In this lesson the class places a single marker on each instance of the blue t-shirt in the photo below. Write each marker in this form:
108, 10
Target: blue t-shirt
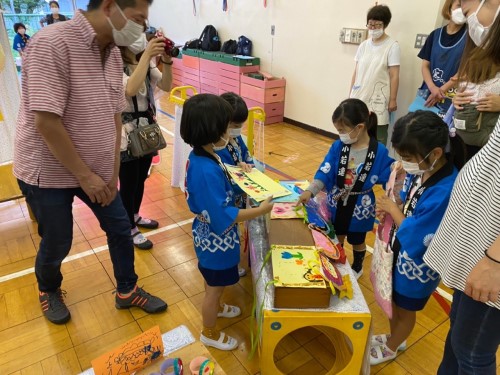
242, 152
363, 217
210, 196
19, 42
412, 277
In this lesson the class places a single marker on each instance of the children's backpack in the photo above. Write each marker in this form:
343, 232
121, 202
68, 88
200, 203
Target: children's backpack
209, 39
244, 46
230, 46
192, 44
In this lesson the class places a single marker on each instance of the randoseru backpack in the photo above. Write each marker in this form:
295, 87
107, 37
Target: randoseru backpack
209, 39
244, 46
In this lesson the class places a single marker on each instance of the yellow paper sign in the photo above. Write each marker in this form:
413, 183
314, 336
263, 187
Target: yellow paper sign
293, 267
132, 356
256, 184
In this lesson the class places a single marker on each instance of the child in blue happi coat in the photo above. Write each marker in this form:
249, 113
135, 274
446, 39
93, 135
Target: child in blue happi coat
236, 151
353, 166
210, 196
421, 139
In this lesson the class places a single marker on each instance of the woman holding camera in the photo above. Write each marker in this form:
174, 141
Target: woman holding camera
140, 77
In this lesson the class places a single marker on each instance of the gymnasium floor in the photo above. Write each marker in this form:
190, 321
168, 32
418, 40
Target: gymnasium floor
31, 345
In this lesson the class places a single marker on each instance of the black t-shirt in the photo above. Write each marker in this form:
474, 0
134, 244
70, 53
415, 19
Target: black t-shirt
447, 40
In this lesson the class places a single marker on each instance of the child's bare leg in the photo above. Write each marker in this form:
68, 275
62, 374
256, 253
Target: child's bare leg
210, 308
402, 324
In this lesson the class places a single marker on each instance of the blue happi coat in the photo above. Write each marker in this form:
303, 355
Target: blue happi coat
242, 151
210, 196
363, 217
412, 277
243, 156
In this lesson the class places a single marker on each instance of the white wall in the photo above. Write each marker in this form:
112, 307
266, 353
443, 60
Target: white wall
306, 48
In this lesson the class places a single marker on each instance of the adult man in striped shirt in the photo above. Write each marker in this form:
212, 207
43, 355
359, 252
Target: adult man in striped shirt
68, 143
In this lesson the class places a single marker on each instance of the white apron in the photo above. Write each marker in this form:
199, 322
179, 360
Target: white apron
372, 84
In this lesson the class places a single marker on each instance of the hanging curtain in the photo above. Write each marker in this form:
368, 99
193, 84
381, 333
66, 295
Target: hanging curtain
9, 99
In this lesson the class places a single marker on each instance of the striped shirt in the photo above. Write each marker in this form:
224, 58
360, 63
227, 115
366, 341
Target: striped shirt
64, 74
472, 221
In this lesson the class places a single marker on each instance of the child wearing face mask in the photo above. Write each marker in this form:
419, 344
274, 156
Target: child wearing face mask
210, 196
21, 38
54, 16
421, 139
350, 170
236, 151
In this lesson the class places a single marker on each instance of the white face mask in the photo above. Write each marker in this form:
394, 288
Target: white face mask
414, 168
54, 11
477, 31
139, 45
235, 133
346, 138
219, 148
128, 34
375, 33
457, 16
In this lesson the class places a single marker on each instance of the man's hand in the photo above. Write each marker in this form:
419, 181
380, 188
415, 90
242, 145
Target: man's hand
113, 188
96, 189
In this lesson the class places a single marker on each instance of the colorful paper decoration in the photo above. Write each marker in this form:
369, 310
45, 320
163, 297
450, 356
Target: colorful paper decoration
294, 187
331, 274
292, 267
286, 211
330, 246
256, 184
132, 356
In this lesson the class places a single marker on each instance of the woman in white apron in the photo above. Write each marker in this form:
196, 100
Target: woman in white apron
376, 76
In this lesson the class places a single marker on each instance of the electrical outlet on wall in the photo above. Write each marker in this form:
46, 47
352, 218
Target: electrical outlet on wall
420, 40
273, 30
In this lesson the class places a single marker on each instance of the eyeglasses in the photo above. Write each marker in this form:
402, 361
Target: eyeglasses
375, 25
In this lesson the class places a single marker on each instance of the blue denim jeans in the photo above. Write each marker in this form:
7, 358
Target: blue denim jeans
473, 339
53, 209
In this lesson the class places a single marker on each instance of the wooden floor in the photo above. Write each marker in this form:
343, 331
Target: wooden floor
31, 345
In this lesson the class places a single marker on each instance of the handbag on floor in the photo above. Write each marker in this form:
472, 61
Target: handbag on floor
383, 256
